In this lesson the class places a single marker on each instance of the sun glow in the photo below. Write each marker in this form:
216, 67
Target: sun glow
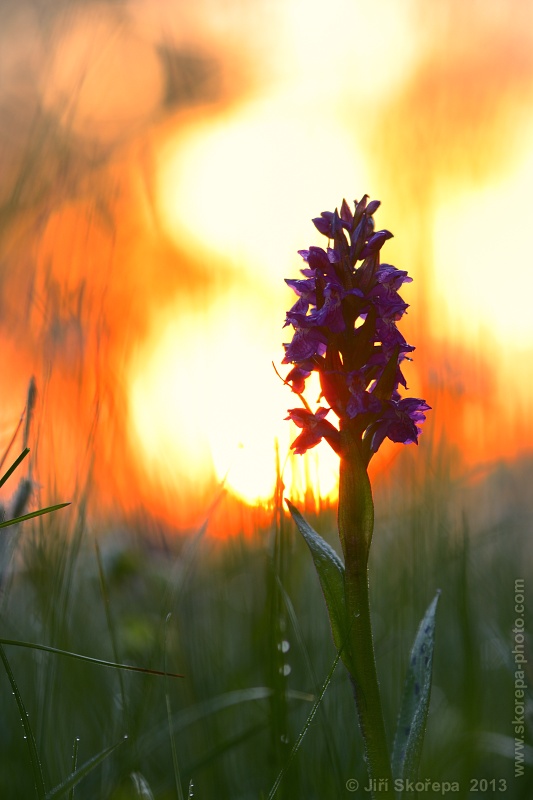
480, 236
102, 78
240, 192
161, 170
205, 401
243, 186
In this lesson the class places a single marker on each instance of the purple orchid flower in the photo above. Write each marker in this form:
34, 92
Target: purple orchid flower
375, 243
328, 223
297, 376
314, 428
306, 343
362, 401
400, 422
345, 328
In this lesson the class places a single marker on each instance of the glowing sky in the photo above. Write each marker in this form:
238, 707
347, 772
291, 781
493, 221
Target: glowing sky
162, 163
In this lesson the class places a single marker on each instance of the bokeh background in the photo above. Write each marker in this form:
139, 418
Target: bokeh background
160, 164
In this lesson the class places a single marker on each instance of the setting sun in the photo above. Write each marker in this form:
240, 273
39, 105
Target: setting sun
216, 404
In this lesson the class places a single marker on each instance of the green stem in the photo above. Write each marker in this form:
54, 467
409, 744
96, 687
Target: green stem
356, 523
366, 690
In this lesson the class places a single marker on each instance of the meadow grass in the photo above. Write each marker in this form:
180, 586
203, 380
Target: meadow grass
244, 622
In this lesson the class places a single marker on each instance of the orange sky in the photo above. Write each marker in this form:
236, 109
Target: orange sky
161, 166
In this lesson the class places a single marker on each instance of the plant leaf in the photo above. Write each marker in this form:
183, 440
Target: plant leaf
75, 777
74, 764
33, 514
330, 571
28, 733
307, 724
142, 789
415, 700
14, 465
90, 659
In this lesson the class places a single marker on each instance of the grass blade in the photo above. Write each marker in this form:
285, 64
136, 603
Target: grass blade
28, 733
142, 789
11, 443
109, 619
308, 722
328, 732
13, 466
32, 514
74, 764
175, 765
75, 777
156, 737
90, 659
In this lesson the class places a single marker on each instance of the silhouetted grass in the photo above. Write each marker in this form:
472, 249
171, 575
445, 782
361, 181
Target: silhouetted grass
248, 630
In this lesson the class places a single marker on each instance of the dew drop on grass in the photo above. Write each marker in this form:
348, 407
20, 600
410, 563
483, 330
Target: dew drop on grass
284, 646
285, 670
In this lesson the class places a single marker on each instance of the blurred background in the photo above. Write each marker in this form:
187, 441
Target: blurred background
161, 163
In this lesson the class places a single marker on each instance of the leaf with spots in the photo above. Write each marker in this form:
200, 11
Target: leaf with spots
415, 700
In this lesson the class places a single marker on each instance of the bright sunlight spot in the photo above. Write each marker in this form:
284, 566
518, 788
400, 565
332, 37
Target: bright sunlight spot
481, 251
246, 186
216, 403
